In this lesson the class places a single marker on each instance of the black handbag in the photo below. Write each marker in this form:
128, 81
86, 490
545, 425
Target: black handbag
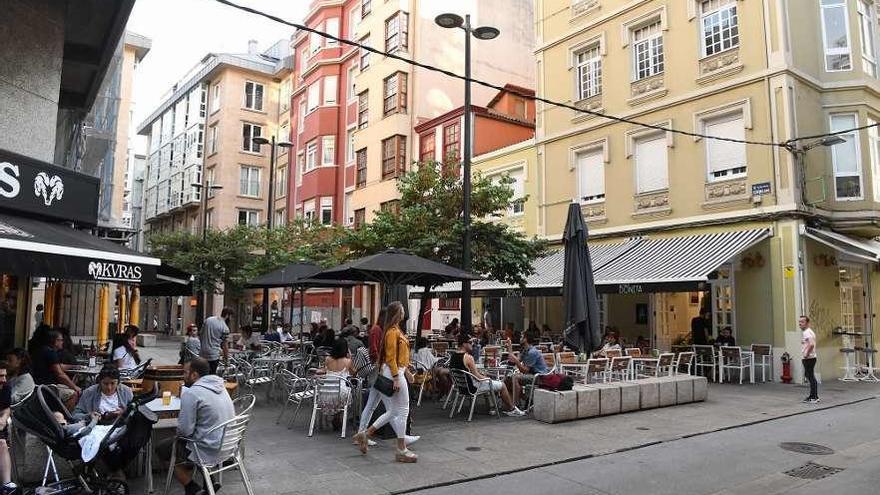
384, 385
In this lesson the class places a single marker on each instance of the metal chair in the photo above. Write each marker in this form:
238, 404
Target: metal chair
230, 455
136, 372
732, 358
596, 368
244, 404
297, 391
440, 348
613, 353
333, 396
466, 386
663, 366
549, 360
684, 360
251, 376
704, 358
619, 369
763, 356
633, 352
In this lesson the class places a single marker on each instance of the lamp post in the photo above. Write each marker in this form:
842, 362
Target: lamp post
270, 207
205, 188
799, 151
454, 21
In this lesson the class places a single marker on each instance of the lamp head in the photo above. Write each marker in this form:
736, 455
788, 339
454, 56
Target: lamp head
449, 21
260, 140
832, 140
486, 33
284, 144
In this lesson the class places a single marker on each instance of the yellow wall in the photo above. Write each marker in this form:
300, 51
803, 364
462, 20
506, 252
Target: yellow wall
754, 296
523, 155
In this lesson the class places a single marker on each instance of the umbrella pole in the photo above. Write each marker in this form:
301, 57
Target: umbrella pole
302, 347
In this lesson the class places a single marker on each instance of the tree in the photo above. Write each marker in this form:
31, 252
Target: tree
429, 223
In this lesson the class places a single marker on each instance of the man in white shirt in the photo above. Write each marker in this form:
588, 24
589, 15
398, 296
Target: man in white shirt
808, 358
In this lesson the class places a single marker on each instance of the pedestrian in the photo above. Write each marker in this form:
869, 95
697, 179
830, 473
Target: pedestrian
38, 315
808, 358
213, 336
700, 328
394, 358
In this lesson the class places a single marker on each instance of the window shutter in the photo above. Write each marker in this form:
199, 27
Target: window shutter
591, 174
330, 88
651, 169
725, 155
518, 185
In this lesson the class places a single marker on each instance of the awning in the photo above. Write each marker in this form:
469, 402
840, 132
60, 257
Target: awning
864, 249
31, 247
169, 282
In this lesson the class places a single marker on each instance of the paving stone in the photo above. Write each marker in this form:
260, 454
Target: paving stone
649, 393
629, 396
587, 401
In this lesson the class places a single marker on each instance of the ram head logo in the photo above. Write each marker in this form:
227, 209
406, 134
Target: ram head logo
48, 188
94, 269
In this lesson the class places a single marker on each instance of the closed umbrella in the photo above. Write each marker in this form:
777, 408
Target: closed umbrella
578, 289
122, 318
134, 307
49, 304
103, 310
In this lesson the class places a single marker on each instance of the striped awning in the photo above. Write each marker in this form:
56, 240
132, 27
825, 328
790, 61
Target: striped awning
864, 249
679, 259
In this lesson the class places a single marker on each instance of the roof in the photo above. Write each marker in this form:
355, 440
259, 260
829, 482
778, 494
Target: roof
139, 42
482, 111
511, 88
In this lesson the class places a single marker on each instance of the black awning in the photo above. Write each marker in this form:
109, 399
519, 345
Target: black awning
169, 282
33, 248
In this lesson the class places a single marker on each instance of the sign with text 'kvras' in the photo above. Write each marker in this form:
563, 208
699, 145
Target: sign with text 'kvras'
45, 190
109, 271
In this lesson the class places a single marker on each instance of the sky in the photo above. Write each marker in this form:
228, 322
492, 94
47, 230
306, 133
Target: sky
184, 31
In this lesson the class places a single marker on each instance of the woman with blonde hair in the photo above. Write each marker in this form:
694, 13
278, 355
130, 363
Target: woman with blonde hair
393, 362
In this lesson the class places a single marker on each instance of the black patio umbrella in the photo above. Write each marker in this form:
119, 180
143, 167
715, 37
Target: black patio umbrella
578, 288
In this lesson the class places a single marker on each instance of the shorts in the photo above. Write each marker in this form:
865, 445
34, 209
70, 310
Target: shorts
495, 385
63, 391
163, 451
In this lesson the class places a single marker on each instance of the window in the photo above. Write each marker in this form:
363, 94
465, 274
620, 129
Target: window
279, 217
302, 115
725, 159
284, 95
350, 80
590, 176
215, 98
309, 211
300, 166
311, 156
647, 51
304, 61
363, 109
395, 94
720, 26
393, 156
213, 139
354, 19
366, 8
315, 42
392, 207
518, 200
588, 71
330, 84
360, 218
349, 146
874, 149
209, 180
651, 171
326, 210
248, 133
427, 147
281, 182
451, 137
846, 160
332, 28
328, 151
365, 55
250, 181
835, 35
866, 30
396, 34
313, 97
284, 135
253, 96
347, 217
250, 218
361, 177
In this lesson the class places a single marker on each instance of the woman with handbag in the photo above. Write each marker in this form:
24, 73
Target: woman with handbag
392, 385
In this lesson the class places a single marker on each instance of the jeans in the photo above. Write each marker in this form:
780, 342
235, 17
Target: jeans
372, 403
810, 374
396, 406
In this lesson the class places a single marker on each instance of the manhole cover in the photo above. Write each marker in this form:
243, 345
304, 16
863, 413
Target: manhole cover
806, 448
813, 471
643, 428
473, 449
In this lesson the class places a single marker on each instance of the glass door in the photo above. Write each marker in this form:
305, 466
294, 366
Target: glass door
723, 302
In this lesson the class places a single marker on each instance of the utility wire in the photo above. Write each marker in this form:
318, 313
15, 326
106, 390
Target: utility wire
788, 145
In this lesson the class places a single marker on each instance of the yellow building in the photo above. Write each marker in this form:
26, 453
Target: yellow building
683, 223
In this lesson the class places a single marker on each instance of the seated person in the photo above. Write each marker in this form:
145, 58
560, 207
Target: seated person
204, 405
530, 362
423, 357
286, 335
191, 345
725, 339
7, 486
47, 369
248, 340
350, 337
125, 353
108, 398
612, 343
338, 364
463, 360
272, 335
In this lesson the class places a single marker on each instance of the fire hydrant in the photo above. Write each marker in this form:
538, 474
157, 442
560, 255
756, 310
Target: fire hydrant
786, 368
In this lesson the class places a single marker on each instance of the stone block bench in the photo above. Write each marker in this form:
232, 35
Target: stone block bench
604, 399
146, 340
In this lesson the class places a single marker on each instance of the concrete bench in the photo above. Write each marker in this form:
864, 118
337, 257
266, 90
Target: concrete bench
554, 407
146, 340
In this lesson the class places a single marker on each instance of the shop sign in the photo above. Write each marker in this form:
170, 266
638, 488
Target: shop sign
630, 289
111, 271
43, 189
760, 189
513, 293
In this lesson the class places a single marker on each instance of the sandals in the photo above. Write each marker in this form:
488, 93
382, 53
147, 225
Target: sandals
406, 456
360, 438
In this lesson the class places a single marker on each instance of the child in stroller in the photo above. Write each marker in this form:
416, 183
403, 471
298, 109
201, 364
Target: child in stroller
43, 415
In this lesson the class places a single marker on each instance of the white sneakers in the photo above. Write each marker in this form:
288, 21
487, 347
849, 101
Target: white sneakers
515, 412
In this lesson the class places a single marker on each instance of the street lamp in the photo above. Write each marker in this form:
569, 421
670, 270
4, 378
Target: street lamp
799, 151
273, 147
454, 21
203, 186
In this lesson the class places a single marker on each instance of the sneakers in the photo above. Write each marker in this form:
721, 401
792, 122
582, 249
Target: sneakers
411, 439
810, 400
9, 488
406, 456
515, 412
360, 438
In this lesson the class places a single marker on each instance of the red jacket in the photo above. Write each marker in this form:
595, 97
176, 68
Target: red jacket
375, 339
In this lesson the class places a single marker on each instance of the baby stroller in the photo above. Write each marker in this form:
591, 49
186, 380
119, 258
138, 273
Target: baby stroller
127, 435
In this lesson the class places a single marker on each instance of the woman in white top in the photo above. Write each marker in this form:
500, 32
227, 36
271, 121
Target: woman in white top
339, 364
125, 354
108, 397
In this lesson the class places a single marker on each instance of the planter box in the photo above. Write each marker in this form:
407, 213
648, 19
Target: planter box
587, 401
668, 395
553, 407
649, 393
609, 397
629, 396
684, 389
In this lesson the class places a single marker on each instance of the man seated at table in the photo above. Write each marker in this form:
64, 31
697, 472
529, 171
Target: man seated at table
530, 362
725, 339
204, 405
47, 369
463, 360
248, 340
612, 343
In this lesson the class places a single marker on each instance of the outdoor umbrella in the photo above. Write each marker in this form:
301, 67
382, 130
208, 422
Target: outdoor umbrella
578, 289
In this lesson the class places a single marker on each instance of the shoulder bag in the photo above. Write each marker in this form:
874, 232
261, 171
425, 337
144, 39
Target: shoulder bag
381, 382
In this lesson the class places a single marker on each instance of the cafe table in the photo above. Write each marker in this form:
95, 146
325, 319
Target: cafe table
86, 374
167, 420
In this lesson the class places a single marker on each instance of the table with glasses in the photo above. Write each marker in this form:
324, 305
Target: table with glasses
167, 420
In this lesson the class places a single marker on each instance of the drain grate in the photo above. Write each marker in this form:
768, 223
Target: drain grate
806, 448
473, 449
642, 428
813, 471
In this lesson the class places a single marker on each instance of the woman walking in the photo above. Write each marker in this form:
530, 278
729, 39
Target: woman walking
393, 361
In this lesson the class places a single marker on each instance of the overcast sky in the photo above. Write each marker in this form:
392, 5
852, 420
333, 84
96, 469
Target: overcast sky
184, 31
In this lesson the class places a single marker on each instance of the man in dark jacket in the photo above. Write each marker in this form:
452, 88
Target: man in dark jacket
700, 326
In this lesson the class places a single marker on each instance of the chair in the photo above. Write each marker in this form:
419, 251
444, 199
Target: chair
251, 376
732, 358
684, 360
440, 348
550, 360
230, 455
763, 356
567, 358
704, 358
422, 376
333, 396
596, 368
619, 368
613, 353
244, 404
663, 366
466, 386
297, 391
633, 352
136, 372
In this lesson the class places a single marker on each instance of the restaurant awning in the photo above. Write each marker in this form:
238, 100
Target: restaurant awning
864, 249
32, 247
169, 282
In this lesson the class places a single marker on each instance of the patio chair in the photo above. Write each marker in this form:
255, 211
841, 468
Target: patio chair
684, 363
763, 356
440, 348
422, 377
732, 358
663, 367
135, 373
596, 368
466, 385
567, 358
230, 456
550, 360
250, 376
633, 352
613, 353
332, 396
619, 369
297, 390
704, 359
